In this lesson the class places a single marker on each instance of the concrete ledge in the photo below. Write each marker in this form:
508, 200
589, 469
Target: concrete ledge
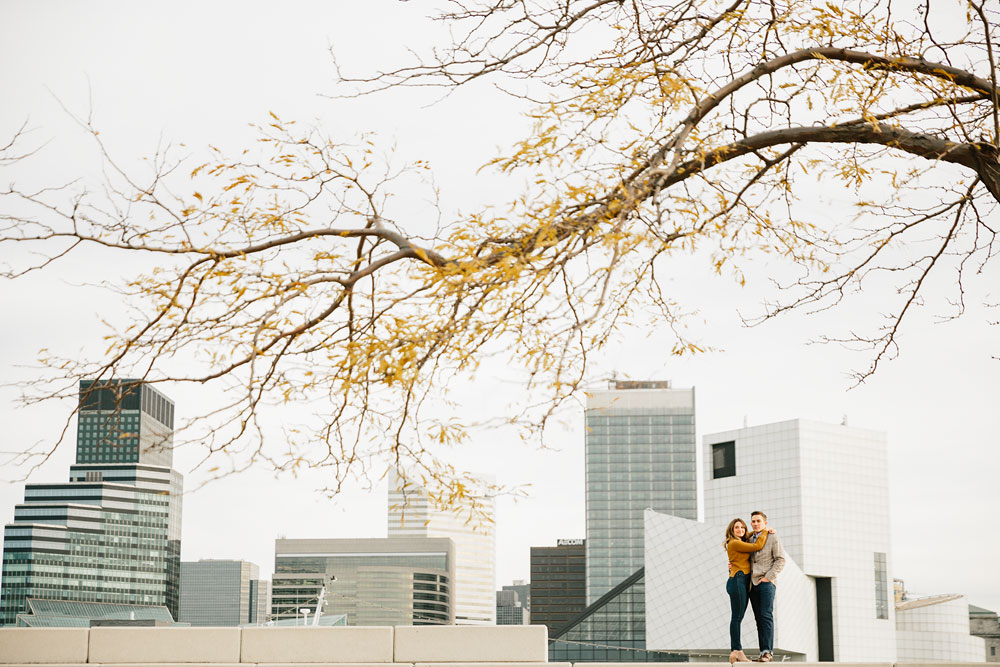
506, 664
326, 664
465, 644
168, 664
43, 645
125, 646
317, 645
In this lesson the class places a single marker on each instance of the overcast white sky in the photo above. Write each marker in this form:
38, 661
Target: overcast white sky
200, 72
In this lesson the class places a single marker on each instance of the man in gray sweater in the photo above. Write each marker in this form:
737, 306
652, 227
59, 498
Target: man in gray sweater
764, 568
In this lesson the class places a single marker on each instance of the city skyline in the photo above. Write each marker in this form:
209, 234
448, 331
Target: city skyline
936, 402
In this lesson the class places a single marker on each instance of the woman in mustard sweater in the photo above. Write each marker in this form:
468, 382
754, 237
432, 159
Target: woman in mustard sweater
738, 585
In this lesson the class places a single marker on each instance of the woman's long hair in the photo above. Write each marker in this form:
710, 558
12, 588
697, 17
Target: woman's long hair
730, 535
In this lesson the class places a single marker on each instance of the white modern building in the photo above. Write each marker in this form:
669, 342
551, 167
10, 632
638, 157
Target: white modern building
936, 629
412, 513
640, 452
824, 489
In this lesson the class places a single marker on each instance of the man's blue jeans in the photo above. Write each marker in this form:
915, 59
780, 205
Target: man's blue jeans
762, 601
738, 587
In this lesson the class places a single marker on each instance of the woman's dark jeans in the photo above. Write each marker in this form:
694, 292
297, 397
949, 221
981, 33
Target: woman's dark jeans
738, 587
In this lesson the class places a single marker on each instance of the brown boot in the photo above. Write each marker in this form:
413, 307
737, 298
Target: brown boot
738, 656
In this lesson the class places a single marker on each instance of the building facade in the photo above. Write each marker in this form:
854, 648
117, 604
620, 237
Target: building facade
819, 476
611, 630
985, 623
640, 452
222, 593
412, 513
377, 581
112, 533
558, 583
510, 611
936, 629
824, 488
124, 421
523, 590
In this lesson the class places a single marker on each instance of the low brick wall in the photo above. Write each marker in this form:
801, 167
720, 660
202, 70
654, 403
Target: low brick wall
402, 646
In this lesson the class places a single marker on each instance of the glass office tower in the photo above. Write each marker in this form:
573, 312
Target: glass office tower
222, 593
640, 452
112, 534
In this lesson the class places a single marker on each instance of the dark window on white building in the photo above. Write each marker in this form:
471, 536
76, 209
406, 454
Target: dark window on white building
724, 459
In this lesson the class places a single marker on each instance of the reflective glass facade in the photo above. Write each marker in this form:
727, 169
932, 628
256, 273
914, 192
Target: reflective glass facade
613, 629
394, 581
124, 421
220, 593
110, 535
640, 452
512, 614
73, 614
881, 587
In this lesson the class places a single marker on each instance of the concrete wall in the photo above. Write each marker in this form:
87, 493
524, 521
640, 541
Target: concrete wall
420, 646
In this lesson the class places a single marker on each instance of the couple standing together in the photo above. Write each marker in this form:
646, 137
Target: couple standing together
755, 559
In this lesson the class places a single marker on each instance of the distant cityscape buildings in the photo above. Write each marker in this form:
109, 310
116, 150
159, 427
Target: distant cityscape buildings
412, 513
510, 610
375, 581
223, 593
112, 533
645, 585
523, 590
558, 583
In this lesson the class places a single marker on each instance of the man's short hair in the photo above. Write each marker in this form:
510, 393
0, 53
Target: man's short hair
756, 512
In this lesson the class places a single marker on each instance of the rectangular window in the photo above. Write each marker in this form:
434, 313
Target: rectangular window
881, 587
724, 460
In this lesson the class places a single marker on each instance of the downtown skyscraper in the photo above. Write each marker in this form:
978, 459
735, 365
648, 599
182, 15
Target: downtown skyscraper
640, 452
412, 513
112, 533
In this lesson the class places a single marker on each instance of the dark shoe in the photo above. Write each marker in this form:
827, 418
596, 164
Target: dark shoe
765, 657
